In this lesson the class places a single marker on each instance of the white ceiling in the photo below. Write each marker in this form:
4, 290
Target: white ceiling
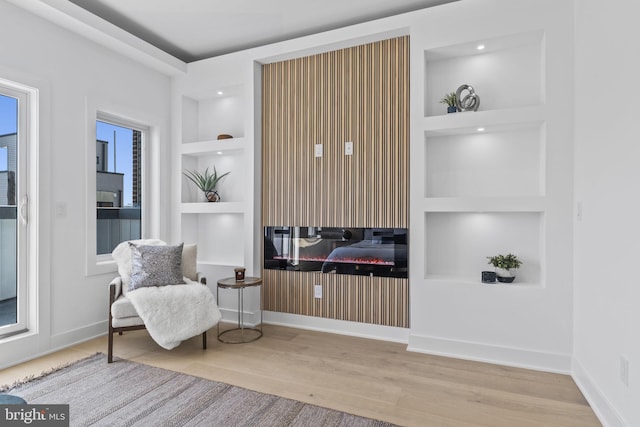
195, 29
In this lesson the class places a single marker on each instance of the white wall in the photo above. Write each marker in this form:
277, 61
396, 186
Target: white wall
607, 239
71, 74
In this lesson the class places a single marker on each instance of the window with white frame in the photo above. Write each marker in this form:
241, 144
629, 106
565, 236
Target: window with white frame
119, 163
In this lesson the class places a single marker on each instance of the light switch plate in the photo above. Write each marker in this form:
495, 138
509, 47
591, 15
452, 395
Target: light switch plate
318, 150
579, 211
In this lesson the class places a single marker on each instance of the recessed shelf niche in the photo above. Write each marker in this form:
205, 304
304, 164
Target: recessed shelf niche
507, 73
458, 244
209, 107
231, 188
207, 115
497, 162
220, 237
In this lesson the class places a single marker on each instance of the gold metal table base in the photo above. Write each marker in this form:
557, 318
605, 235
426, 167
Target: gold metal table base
223, 336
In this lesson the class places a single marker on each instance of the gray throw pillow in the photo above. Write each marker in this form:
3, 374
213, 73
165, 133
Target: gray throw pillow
155, 266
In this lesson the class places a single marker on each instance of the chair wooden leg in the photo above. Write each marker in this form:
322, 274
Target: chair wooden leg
112, 298
110, 350
204, 340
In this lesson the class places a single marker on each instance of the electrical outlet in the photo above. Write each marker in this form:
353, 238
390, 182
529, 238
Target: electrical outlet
348, 148
624, 370
317, 291
318, 150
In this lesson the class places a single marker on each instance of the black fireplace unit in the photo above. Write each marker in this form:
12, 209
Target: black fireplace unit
361, 251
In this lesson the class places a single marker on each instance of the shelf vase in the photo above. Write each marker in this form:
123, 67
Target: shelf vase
452, 109
212, 196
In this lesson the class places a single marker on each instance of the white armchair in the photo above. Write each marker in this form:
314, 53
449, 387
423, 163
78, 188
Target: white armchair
193, 308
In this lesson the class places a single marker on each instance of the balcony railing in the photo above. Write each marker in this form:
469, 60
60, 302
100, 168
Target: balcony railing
7, 252
116, 225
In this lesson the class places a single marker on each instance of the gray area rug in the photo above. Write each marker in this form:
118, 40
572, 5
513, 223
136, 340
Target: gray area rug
131, 394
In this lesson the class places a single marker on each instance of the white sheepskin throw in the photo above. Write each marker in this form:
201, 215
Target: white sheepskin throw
175, 313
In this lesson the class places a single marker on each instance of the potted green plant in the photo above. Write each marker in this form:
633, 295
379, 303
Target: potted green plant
450, 100
206, 182
504, 265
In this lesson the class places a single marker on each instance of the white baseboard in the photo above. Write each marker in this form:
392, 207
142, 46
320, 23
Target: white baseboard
508, 356
31, 346
603, 409
76, 336
340, 327
229, 315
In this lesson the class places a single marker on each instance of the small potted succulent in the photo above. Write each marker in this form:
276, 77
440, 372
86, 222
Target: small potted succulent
207, 182
504, 265
450, 100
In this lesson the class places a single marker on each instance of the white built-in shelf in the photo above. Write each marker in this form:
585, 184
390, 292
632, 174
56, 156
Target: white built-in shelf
212, 208
211, 112
211, 263
511, 42
484, 204
468, 122
469, 281
213, 104
485, 171
212, 146
214, 270
457, 244
501, 161
506, 74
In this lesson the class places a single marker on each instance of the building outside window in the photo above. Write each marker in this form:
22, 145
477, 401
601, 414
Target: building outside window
118, 184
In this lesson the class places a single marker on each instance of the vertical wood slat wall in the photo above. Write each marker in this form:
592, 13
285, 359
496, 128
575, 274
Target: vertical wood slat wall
376, 300
358, 94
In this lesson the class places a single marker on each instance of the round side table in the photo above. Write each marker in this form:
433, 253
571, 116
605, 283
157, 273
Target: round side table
247, 334
7, 399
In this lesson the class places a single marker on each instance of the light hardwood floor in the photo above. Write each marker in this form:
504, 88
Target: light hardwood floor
366, 377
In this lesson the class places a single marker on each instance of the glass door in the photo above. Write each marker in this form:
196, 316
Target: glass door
13, 212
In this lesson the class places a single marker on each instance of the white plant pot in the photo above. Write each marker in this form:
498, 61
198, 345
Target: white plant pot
503, 272
504, 275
